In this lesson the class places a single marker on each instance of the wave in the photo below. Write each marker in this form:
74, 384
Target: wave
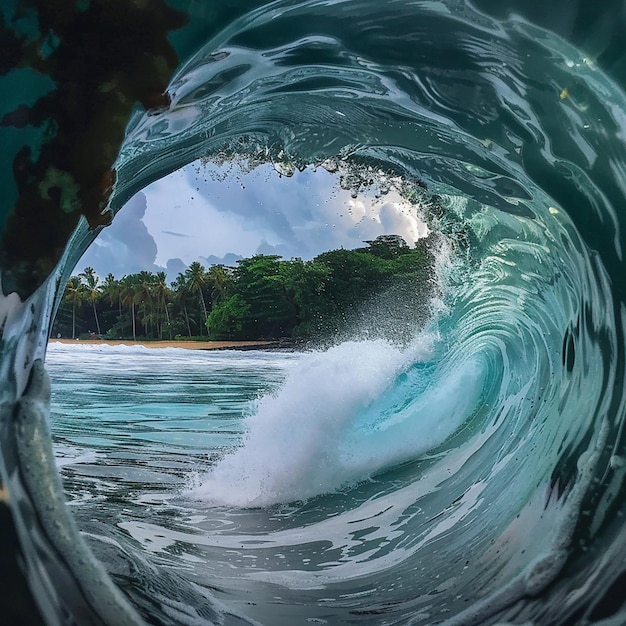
490, 451
299, 442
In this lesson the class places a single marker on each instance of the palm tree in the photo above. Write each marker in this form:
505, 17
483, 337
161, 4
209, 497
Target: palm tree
218, 277
129, 294
163, 294
146, 300
196, 280
181, 291
91, 281
74, 294
111, 289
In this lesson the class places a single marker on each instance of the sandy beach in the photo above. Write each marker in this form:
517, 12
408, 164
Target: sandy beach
188, 345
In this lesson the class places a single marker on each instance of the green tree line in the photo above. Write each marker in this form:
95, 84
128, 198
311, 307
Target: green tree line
263, 297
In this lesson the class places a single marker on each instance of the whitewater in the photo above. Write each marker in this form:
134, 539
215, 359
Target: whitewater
471, 471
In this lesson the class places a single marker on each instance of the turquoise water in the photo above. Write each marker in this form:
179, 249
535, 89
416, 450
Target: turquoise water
472, 473
275, 474
131, 428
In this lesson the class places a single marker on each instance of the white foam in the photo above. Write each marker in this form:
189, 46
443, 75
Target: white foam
312, 437
290, 451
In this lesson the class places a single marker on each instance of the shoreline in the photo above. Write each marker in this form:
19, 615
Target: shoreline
188, 345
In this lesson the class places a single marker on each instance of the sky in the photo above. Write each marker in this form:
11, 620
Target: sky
202, 213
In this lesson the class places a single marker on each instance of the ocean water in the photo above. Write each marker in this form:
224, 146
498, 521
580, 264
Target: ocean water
278, 474
131, 427
473, 473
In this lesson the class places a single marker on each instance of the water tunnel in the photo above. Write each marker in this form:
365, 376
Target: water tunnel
475, 477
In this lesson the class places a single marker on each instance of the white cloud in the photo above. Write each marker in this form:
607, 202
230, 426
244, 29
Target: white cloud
307, 213
193, 215
187, 225
124, 247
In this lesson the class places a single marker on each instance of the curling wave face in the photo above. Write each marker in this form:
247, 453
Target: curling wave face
496, 437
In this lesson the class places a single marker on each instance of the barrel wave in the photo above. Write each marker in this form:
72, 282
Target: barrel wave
471, 473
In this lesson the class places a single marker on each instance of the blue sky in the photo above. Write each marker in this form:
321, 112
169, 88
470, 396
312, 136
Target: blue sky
218, 215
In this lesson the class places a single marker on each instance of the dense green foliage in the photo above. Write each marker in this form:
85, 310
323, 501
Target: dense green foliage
264, 297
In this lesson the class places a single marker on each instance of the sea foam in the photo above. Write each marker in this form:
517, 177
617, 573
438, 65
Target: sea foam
327, 426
